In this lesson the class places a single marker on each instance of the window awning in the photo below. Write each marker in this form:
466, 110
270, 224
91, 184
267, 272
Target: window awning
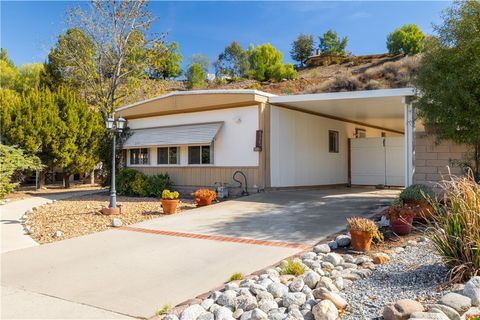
192, 134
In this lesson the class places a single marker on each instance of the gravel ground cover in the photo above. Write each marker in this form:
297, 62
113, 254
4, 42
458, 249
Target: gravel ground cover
79, 216
415, 273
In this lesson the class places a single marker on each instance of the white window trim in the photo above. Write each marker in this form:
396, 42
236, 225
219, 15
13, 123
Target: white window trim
212, 159
139, 164
168, 157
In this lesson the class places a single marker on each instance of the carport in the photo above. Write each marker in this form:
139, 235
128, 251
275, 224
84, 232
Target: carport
374, 132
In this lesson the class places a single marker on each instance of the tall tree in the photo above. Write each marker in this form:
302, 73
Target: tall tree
232, 62
302, 48
331, 44
202, 60
195, 76
449, 81
408, 39
165, 61
8, 71
105, 49
266, 64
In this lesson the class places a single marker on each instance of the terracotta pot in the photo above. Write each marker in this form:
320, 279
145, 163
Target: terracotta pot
402, 226
204, 201
361, 240
169, 206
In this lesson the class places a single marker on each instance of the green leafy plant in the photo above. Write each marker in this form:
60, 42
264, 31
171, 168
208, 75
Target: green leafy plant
163, 310
170, 195
416, 193
12, 161
408, 39
292, 267
158, 183
455, 229
131, 182
365, 225
237, 276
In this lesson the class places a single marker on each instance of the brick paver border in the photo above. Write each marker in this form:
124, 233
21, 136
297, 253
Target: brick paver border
218, 238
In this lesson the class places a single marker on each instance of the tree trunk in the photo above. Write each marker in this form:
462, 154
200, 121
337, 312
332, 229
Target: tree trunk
66, 180
41, 179
92, 177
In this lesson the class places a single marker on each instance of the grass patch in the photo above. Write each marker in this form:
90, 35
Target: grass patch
292, 267
236, 276
163, 309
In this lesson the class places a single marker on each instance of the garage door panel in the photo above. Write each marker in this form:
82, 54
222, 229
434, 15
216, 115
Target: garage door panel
377, 161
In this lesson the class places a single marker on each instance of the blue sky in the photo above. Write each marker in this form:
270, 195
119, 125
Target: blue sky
30, 28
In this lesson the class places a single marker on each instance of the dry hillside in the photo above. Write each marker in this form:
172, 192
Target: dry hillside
369, 74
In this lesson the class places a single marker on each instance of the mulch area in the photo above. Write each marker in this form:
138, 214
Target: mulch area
81, 215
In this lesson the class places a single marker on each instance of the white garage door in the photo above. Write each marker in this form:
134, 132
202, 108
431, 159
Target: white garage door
378, 161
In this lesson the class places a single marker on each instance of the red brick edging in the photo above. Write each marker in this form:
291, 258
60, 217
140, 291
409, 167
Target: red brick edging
218, 238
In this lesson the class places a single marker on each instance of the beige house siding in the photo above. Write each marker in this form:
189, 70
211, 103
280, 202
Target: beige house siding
431, 159
203, 176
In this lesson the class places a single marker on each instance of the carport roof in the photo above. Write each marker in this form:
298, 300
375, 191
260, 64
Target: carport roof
384, 109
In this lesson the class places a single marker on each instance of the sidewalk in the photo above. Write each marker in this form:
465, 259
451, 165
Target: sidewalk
13, 235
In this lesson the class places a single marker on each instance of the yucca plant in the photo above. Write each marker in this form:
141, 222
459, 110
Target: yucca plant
456, 227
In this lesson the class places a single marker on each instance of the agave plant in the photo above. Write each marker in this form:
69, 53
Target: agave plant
456, 227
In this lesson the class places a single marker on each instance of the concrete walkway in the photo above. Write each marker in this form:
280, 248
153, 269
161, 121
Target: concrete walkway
136, 270
13, 235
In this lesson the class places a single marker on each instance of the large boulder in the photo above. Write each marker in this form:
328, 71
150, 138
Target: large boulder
402, 309
325, 310
472, 290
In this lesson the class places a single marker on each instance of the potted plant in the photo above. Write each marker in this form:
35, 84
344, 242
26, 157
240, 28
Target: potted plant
400, 216
204, 197
363, 231
170, 201
417, 197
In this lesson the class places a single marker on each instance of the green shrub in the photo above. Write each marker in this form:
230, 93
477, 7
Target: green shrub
416, 193
13, 161
236, 276
158, 183
293, 267
455, 228
131, 182
163, 310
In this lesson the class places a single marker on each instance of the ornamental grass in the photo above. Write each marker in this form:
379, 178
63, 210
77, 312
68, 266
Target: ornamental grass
455, 228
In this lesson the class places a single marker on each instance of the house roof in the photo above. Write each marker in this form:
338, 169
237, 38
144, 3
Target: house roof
383, 109
195, 100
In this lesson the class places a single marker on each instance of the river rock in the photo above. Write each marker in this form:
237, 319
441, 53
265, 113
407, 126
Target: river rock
192, 312
402, 309
297, 284
227, 298
322, 248
472, 290
325, 310
322, 294
245, 302
343, 240
451, 313
293, 298
456, 301
311, 279
223, 313
277, 289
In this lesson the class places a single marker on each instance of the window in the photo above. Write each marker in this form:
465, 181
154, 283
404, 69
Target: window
333, 141
168, 155
360, 133
139, 156
200, 155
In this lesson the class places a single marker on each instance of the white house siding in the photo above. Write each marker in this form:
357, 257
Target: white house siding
233, 146
299, 149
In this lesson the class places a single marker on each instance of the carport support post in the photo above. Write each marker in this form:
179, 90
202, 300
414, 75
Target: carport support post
409, 119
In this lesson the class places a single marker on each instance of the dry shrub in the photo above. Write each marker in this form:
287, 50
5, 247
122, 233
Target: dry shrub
343, 83
456, 227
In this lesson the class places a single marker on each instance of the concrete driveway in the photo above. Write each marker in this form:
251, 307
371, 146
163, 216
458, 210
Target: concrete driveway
137, 269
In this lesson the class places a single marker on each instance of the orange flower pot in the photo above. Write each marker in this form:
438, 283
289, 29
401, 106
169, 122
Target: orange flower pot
361, 240
204, 201
169, 206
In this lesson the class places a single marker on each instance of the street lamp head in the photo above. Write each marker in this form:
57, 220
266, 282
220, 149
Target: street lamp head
120, 123
109, 123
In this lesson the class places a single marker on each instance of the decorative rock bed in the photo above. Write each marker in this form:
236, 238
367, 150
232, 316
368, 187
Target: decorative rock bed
347, 286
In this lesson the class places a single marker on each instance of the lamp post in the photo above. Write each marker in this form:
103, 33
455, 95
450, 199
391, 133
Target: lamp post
114, 126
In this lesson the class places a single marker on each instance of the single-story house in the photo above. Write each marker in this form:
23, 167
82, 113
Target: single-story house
201, 138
